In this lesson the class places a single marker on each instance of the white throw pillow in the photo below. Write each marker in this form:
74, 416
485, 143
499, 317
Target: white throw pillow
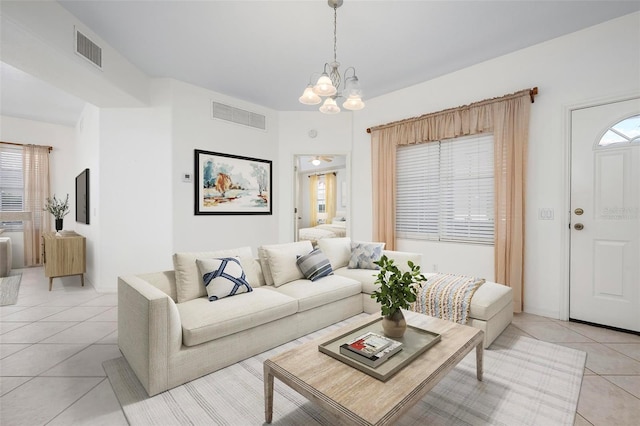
364, 254
223, 277
263, 257
282, 260
337, 250
189, 283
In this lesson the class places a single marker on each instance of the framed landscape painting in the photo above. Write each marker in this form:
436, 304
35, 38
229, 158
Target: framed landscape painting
230, 184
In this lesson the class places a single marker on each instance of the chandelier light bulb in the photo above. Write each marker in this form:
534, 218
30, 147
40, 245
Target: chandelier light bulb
353, 103
309, 97
329, 107
324, 86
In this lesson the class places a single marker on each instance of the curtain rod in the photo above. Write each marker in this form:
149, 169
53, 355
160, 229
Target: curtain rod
322, 174
50, 148
532, 93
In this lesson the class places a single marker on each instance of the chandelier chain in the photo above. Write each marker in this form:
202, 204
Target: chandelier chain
335, 33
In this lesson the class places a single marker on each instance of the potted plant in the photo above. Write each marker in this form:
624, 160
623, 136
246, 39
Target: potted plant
397, 291
58, 208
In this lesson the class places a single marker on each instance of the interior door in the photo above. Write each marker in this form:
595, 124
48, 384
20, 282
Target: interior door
605, 215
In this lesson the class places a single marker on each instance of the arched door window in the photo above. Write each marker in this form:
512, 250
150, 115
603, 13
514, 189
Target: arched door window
624, 132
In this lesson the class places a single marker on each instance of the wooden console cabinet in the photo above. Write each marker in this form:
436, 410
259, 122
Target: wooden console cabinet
63, 256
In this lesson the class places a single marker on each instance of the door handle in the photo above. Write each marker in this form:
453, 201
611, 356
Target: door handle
578, 211
578, 227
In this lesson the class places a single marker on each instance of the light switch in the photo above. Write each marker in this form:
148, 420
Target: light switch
545, 213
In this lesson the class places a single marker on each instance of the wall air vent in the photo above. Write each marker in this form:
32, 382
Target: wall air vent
88, 49
239, 116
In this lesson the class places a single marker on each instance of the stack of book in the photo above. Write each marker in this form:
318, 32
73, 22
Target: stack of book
371, 349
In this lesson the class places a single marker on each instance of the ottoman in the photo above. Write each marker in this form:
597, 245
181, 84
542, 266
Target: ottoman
491, 307
491, 310
5, 256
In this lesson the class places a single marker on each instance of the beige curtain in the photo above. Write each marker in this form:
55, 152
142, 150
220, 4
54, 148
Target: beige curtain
330, 194
511, 136
383, 157
508, 118
35, 165
313, 199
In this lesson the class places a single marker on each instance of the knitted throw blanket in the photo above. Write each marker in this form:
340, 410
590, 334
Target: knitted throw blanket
447, 296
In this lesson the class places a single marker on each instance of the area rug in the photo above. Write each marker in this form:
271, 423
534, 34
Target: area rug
9, 287
526, 382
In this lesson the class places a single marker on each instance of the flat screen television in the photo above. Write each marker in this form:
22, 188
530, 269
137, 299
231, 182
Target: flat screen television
82, 197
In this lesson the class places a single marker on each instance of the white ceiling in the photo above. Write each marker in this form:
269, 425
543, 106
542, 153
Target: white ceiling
264, 51
327, 162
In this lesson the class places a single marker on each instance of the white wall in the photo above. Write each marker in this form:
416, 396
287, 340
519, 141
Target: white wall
61, 179
87, 156
598, 63
193, 128
135, 200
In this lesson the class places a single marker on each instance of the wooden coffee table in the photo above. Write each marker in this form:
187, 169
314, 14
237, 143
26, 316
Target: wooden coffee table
354, 397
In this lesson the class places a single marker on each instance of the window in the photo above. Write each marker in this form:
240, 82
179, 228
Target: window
626, 131
444, 190
322, 203
11, 184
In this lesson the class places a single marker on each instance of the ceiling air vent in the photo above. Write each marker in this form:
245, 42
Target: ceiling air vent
239, 116
88, 49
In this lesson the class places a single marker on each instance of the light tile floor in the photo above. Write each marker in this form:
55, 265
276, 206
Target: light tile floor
52, 345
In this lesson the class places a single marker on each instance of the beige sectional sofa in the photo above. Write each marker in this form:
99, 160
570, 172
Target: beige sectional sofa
170, 333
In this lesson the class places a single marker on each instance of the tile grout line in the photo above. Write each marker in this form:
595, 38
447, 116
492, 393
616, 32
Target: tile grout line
78, 399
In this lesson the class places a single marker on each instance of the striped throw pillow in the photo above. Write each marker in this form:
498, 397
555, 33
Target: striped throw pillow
314, 265
223, 277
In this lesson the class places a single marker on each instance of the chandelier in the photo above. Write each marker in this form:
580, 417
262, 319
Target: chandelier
329, 82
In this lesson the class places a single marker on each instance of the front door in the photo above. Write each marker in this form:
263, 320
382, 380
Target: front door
605, 215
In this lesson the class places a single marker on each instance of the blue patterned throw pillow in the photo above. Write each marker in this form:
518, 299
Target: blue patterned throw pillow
223, 277
314, 265
364, 254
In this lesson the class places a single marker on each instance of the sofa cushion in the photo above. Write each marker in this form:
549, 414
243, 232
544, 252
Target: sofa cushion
364, 254
5, 256
311, 294
203, 321
367, 277
489, 299
282, 260
223, 277
314, 265
338, 250
189, 283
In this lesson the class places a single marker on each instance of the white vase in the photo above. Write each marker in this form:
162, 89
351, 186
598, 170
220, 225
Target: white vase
394, 325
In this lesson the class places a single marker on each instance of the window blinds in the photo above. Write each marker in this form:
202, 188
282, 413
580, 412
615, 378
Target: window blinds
11, 183
445, 190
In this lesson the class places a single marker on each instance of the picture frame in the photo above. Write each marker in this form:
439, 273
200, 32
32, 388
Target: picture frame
227, 184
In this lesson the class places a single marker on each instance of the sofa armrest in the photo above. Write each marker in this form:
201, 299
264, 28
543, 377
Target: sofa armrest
149, 331
400, 258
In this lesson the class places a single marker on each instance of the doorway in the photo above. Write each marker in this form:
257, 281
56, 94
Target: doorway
604, 281
315, 217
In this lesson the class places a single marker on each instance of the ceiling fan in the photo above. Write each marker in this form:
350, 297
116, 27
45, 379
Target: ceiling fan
319, 158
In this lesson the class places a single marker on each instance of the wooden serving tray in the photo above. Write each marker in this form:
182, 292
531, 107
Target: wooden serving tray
414, 342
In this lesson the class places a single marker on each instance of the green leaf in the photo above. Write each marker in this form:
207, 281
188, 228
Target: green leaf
397, 289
